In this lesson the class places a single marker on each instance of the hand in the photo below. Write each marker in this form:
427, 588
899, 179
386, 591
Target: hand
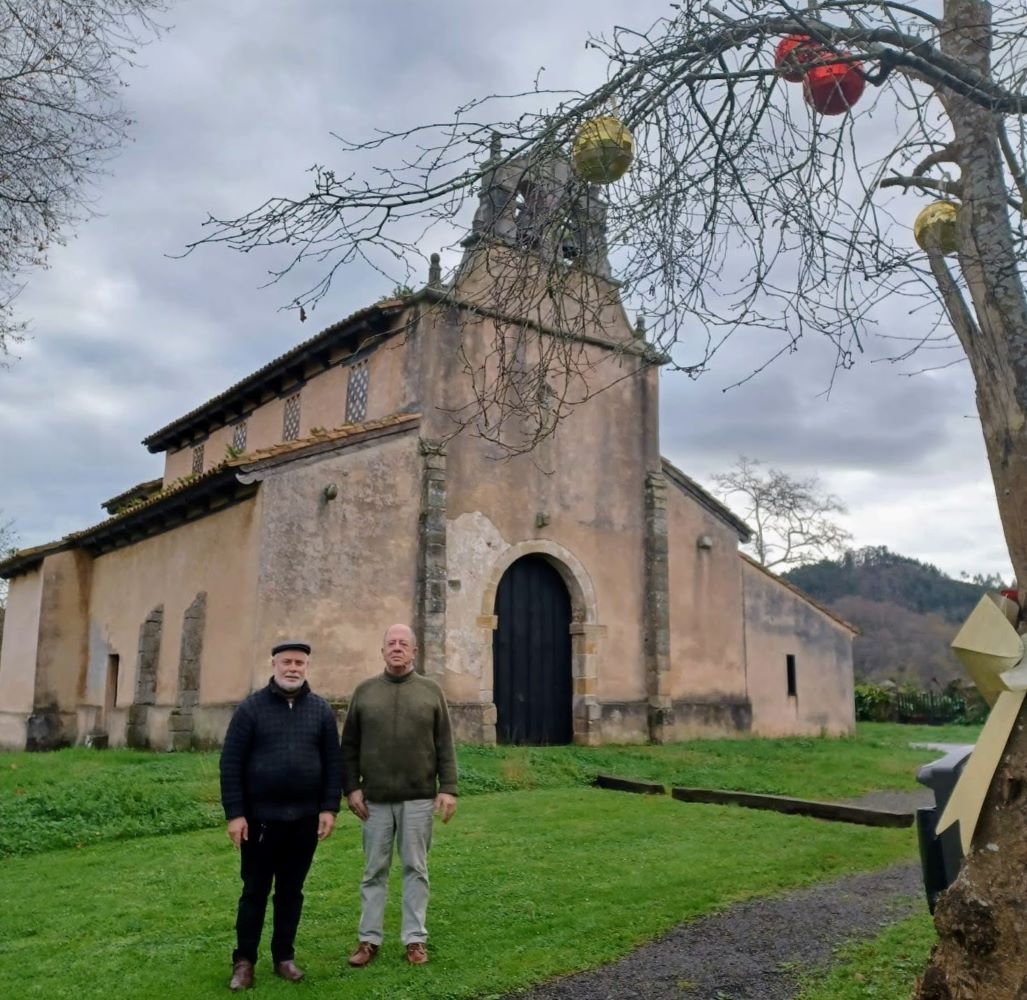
325, 825
445, 806
357, 805
238, 830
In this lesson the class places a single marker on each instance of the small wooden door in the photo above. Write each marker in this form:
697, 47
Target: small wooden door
531, 655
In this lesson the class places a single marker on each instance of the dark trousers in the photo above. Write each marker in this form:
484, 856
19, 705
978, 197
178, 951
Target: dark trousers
279, 852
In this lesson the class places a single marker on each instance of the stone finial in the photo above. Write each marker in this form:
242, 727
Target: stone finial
434, 271
495, 146
640, 326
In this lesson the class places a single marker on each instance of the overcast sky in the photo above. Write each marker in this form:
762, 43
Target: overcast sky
233, 105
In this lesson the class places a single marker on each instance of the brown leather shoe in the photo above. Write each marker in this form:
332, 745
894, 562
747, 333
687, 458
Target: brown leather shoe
289, 970
242, 975
364, 955
417, 954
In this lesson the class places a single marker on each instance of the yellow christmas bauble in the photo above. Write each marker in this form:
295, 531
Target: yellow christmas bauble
603, 150
937, 222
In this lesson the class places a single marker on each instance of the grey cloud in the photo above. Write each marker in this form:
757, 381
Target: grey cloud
232, 107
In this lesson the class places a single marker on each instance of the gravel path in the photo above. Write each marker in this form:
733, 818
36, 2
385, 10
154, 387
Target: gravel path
756, 950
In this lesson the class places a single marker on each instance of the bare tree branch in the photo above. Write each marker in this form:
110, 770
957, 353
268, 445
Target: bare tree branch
61, 119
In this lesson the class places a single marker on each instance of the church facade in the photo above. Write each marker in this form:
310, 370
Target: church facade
565, 582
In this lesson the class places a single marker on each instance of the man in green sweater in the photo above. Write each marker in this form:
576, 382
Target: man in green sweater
399, 768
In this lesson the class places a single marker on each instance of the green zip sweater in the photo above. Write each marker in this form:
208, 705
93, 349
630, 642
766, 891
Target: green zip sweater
397, 742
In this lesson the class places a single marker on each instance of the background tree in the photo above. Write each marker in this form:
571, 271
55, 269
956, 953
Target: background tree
8, 546
744, 209
61, 119
792, 519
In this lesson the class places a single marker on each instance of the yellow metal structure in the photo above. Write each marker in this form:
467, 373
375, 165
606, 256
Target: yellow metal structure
992, 652
603, 150
937, 222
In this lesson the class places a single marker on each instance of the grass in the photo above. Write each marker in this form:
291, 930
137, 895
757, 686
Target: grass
118, 879
130, 794
526, 885
883, 968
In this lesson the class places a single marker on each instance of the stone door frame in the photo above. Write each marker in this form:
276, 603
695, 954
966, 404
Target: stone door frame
586, 633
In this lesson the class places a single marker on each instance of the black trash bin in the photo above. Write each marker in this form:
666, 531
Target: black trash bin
940, 854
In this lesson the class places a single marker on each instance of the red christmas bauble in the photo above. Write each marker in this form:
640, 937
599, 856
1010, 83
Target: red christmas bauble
833, 88
795, 53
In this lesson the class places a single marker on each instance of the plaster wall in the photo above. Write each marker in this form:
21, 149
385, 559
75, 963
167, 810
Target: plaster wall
322, 404
324, 397
264, 424
707, 651
18, 657
779, 622
215, 554
338, 572
215, 448
177, 464
580, 490
61, 653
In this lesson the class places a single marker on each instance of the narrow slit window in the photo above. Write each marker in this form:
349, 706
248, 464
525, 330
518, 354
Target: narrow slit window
110, 699
790, 667
356, 392
239, 436
291, 418
198, 459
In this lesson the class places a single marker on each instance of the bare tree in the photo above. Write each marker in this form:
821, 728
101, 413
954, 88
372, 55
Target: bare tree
8, 546
744, 208
793, 520
61, 119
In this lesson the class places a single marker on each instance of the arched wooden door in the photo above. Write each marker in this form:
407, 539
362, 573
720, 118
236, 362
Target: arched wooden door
531, 655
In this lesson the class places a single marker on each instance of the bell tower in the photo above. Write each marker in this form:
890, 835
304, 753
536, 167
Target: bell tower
535, 203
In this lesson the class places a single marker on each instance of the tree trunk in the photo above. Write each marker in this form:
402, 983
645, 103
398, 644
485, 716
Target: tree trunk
982, 919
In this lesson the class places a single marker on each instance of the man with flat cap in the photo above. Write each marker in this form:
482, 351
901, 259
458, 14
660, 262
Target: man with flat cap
281, 784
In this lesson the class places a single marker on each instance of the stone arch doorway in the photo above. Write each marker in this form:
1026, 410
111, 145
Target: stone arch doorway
533, 683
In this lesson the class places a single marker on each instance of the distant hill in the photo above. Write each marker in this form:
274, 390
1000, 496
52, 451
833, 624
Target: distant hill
907, 611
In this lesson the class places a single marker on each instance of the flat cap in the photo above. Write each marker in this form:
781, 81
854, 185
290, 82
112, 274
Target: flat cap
303, 647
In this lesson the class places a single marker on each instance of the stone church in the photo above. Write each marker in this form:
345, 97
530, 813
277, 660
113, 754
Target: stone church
582, 589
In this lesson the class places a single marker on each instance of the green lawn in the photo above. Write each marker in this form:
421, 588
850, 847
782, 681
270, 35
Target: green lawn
884, 968
42, 804
541, 877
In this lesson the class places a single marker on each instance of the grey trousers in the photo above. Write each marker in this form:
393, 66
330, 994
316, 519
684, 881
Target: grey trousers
409, 824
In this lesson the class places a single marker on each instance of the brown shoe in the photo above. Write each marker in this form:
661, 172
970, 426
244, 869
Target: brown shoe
289, 970
417, 954
242, 975
364, 955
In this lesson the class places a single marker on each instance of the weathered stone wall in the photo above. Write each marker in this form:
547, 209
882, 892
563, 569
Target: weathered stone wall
660, 715
780, 622
338, 572
430, 614
190, 660
61, 652
137, 730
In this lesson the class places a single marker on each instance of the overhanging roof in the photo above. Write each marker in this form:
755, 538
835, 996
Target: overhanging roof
800, 593
688, 485
292, 368
193, 497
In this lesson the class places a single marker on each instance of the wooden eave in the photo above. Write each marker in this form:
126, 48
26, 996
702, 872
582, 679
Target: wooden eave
28, 559
283, 375
191, 498
213, 491
141, 491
